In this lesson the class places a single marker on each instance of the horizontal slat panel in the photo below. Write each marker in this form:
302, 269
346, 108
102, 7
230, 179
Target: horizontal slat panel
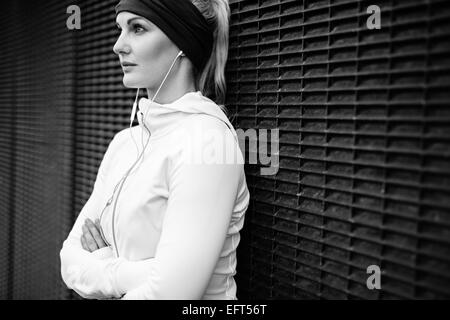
364, 146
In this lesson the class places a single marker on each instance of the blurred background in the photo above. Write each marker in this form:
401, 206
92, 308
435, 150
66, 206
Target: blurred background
364, 117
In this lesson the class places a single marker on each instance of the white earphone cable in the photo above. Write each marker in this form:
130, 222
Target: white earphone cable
123, 179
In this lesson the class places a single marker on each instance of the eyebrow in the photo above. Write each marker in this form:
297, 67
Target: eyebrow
129, 21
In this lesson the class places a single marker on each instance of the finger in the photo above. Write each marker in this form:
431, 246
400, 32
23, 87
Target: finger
95, 230
83, 243
97, 223
84, 238
95, 233
99, 228
92, 245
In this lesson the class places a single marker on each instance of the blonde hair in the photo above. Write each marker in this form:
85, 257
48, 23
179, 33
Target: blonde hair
211, 80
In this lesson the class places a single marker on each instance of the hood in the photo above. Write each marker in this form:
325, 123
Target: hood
160, 118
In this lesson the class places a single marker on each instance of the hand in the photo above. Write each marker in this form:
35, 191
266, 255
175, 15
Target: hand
91, 238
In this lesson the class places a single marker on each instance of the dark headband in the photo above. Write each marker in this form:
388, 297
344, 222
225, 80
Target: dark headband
181, 21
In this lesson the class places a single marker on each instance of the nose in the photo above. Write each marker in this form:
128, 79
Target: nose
121, 47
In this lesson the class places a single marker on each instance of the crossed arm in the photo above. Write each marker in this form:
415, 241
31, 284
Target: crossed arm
197, 217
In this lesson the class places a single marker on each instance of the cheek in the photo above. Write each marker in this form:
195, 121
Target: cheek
153, 54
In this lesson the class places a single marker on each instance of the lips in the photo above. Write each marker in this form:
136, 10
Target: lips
128, 64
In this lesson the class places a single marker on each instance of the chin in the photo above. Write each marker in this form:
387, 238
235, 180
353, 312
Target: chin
130, 81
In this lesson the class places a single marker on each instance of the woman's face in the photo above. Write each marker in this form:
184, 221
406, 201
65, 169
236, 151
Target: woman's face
143, 44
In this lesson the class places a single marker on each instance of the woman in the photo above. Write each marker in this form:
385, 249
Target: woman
163, 223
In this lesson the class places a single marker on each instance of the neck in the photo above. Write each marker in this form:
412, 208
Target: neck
179, 82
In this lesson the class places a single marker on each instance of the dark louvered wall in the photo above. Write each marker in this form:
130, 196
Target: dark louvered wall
7, 132
36, 137
364, 172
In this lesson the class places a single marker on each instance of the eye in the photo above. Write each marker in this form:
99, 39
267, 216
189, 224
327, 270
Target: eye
138, 27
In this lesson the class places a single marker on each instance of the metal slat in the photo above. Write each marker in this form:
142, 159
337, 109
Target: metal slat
365, 111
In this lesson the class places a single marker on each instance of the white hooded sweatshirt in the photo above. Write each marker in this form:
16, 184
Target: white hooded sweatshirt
177, 215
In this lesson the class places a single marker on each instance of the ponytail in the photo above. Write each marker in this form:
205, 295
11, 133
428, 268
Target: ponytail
211, 80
